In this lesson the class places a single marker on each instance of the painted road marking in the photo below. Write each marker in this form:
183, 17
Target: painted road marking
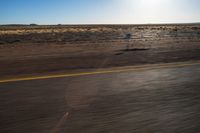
105, 71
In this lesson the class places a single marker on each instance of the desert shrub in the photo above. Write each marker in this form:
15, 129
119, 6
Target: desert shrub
1, 42
194, 28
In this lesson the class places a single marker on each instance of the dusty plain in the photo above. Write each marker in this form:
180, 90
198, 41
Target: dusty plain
41, 49
36, 49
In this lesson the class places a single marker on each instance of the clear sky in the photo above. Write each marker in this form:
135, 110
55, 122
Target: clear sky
99, 11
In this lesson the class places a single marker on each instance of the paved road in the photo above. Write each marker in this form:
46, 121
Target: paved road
155, 100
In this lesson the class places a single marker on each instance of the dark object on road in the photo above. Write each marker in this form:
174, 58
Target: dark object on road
128, 38
135, 49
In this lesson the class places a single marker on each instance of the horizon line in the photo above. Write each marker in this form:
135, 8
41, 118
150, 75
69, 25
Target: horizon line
62, 24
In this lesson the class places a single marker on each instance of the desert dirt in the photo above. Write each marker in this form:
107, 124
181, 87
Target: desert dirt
29, 50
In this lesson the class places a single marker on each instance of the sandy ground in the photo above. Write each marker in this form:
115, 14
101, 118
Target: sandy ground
37, 50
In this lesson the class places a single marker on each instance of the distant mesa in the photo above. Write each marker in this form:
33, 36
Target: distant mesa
33, 24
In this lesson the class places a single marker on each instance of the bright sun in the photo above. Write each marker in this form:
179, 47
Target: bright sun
143, 4
150, 3
144, 11
151, 7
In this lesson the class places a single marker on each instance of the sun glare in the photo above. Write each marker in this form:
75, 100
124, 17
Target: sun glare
150, 4
151, 9
145, 4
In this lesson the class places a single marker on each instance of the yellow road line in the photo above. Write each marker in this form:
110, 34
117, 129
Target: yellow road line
106, 71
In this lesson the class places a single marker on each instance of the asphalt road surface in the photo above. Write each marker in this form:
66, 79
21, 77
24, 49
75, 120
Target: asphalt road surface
148, 100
